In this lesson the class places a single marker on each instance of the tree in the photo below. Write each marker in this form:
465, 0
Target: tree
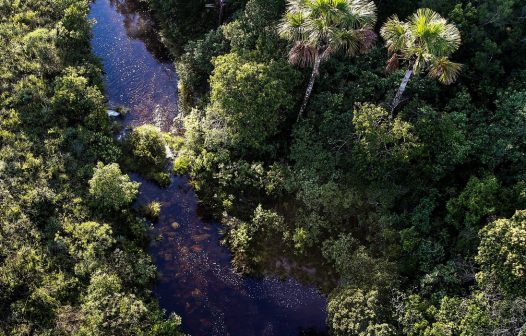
319, 28
502, 254
356, 312
500, 137
425, 42
40, 46
87, 243
355, 265
111, 189
147, 146
477, 201
107, 310
382, 148
248, 99
74, 98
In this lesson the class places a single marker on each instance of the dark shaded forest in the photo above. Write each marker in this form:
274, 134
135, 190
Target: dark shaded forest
381, 143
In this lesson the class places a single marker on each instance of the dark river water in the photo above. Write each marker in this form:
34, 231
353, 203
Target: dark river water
196, 279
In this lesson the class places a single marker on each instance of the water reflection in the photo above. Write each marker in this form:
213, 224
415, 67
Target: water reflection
197, 281
139, 25
139, 76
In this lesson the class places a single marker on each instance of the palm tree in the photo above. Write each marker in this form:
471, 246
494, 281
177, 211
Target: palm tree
319, 28
425, 42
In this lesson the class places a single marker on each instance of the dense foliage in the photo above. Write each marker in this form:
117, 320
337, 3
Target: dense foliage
72, 251
410, 204
405, 194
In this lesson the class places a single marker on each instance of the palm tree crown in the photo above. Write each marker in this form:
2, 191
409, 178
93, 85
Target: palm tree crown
318, 28
426, 41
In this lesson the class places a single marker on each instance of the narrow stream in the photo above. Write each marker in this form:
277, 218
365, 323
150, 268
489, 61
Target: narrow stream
197, 281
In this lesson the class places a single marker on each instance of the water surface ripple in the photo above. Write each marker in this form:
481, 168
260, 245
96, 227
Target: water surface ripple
196, 278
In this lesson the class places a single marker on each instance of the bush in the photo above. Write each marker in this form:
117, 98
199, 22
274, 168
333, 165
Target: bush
162, 179
502, 254
151, 210
354, 311
110, 189
250, 99
147, 147
74, 98
182, 164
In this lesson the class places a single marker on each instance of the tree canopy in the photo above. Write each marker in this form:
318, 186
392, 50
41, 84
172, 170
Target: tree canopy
404, 200
72, 250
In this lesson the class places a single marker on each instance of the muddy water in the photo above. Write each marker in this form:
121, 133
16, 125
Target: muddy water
196, 278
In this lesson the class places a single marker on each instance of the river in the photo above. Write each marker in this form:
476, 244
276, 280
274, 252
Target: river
196, 278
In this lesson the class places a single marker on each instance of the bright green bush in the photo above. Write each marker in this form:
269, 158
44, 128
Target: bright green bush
502, 254
147, 147
182, 164
74, 98
110, 189
356, 312
88, 243
250, 99
151, 210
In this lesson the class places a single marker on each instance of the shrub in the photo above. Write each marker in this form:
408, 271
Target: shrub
110, 189
74, 98
151, 210
354, 311
182, 164
147, 146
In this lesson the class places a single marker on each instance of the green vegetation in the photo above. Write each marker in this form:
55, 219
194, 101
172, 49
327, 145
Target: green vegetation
237, 84
425, 42
147, 148
320, 28
145, 152
72, 251
400, 188
151, 210
407, 195
110, 189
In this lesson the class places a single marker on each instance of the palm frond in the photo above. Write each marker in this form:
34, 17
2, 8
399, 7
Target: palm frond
328, 25
434, 33
346, 40
392, 64
366, 38
395, 34
302, 54
422, 19
452, 35
292, 26
444, 70
361, 13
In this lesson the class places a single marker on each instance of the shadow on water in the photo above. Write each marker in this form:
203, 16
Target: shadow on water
196, 278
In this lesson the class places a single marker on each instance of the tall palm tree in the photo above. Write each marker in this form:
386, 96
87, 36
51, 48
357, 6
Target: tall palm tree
319, 28
425, 42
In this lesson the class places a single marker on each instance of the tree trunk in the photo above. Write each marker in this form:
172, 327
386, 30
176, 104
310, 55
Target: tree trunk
221, 8
401, 89
315, 72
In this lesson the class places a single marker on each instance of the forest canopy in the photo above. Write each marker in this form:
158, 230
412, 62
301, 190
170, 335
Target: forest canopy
72, 250
382, 142
381, 145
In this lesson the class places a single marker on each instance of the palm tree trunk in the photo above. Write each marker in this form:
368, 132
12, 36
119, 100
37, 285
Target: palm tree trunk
401, 89
315, 72
221, 8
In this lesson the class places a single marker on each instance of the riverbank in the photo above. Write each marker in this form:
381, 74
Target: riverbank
72, 248
196, 276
